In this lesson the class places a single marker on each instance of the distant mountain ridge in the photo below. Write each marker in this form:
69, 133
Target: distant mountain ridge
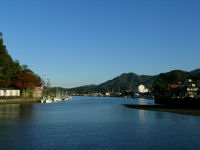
128, 80
123, 82
131, 80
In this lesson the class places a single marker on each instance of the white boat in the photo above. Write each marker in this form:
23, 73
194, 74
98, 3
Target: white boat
58, 96
43, 100
46, 100
57, 99
67, 98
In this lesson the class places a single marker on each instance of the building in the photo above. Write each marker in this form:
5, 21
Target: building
37, 91
107, 94
186, 90
186, 93
192, 89
9, 92
142, 89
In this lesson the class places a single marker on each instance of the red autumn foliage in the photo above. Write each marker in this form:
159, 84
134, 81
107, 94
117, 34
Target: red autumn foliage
25, 80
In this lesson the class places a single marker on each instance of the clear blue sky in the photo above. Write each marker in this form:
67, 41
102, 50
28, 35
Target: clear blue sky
78, 42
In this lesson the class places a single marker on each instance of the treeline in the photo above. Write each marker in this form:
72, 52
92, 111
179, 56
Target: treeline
14, 75
163, 80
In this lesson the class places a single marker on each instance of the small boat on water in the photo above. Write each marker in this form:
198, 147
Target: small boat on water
57, 99
58, 96
67, 98
46, 99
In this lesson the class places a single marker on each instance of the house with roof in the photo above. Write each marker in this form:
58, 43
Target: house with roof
37, 91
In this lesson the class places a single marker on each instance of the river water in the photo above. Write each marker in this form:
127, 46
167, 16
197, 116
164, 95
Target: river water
94, 123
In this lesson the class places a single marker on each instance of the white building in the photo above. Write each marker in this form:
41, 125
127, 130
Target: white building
9, 92
142, 89
107, 94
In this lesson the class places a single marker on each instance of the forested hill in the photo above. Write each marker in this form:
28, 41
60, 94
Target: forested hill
174, 77
128, 80
123, 82
196, 71
14, 75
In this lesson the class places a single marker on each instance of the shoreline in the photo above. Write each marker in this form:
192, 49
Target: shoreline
20, 101
186, 110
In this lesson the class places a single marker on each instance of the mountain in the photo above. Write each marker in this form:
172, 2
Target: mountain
196, 71
131, 80
128, 80
123, 82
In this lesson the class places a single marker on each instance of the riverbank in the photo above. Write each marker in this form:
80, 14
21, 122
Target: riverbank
20, 101
186, 110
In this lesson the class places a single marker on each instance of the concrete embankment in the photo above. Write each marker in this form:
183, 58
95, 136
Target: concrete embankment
20, 101
187, 110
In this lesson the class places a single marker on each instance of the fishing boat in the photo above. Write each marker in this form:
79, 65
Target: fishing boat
58, 96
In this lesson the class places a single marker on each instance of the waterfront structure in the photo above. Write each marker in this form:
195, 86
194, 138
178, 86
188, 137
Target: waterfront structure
142, 92
9, 92
188, 89
107, 94
142, 89
187, 92
37, 91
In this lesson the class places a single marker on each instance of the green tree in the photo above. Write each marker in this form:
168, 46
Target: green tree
12, 74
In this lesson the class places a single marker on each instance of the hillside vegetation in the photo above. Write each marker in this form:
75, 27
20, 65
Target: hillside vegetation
14, 75
173, 77
127, 81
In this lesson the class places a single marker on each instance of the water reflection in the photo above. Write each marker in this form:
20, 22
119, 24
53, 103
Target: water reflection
11, 112
142, 116
143, 101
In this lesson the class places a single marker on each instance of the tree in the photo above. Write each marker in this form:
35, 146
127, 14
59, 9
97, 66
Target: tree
26, 81
173, 77
13, 75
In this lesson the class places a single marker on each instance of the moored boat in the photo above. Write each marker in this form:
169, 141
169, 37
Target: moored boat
67, 98
46, 100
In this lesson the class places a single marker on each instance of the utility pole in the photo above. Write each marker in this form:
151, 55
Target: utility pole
48, 87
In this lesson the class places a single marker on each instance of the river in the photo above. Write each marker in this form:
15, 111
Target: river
95, 123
